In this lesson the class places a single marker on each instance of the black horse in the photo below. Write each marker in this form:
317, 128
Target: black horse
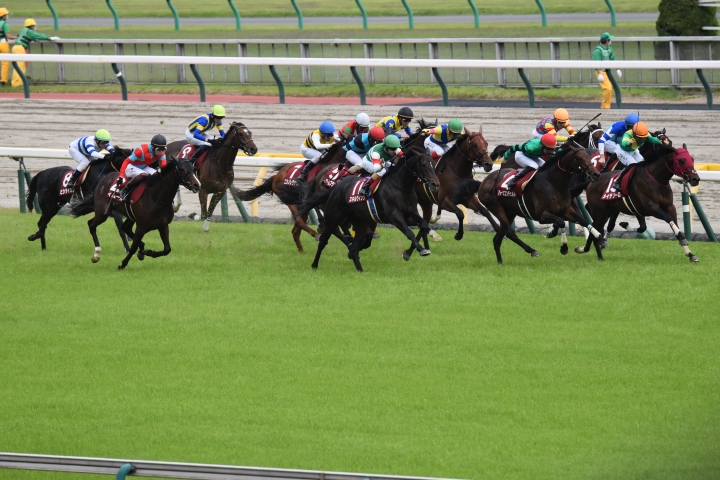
395, 202
47, 184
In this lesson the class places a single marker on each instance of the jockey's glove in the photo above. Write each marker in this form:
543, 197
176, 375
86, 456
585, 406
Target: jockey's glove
54, 39
355, 168
619, 72
601, 78
560, 138
427, 131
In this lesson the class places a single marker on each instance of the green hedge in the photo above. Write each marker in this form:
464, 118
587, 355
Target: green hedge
684, 18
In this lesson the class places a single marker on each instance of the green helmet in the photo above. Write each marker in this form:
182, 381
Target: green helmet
218, 111
102, 135
455, 126
391, 141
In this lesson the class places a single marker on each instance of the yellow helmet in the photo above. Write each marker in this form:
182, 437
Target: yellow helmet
30, 22
3, 11
218, 111
562, 115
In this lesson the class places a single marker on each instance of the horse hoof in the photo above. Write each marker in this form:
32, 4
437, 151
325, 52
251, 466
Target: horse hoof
434, 219
534, 253
564, 249
458, 236
424, 252
437, 238
604, 243
95, 259
32, 238
121, 267
693, 258
551, 235
141, 255
406, 255
317, 238
313, 266
376, 235
206, 225
579, 249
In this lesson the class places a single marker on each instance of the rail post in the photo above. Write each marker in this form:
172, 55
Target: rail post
237, 15
706, 85
299, 14
199, 79
281, 87
360, 85
686, 212
571, 227
542, 12
258, 181
114, 13
411, 22
616, 87
530, 225
528, 85
475, 13
583, 209
121, 79
28, 178
21, 190
612, 12
440, 81
313, 218
364, 14
26, 84
239, 204
703, 219
175, 14
54, 14
224, 209
124, 471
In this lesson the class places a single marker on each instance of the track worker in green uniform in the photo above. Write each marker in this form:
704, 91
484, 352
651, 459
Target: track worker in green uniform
604, 52
26, 36
4, 45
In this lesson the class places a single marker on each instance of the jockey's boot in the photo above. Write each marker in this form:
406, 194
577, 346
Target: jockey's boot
305, 171
513, 181
202, 149
127, 190
73, 180
365, 189
618, 180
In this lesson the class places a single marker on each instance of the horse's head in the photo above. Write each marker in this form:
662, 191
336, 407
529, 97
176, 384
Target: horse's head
574, 158
421, 164
478, 149
118, 156
186, 172
683, 165
423, 124
240, 137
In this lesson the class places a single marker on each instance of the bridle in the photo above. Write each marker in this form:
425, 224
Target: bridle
243, 146
574, 151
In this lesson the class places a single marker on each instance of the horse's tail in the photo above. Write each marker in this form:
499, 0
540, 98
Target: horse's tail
313, 200
467, 189
82, 206
30, 196
255, 192
499, 151
578, 189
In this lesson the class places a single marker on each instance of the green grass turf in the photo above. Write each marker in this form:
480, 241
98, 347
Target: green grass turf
212, 8
232, 350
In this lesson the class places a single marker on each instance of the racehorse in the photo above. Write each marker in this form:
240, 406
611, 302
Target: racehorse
394, 202
49, 183
152, 211
290, 192
648, 191
216, 173
457, 185
546, 198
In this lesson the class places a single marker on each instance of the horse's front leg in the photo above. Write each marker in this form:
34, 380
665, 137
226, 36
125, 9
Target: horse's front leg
399, 221
415, 219
558, 224
119, 224
450, 206
670, 217
164, 232
595, 237
139, 234
202, 197
217, 196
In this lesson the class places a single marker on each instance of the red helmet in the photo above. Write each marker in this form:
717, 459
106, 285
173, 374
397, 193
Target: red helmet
548, 140
377, 133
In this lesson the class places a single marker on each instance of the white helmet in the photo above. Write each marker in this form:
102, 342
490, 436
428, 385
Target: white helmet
362, 120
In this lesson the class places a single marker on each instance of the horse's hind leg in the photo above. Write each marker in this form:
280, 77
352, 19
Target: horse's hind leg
511, 234
47, 215
119, 223
139, 234
202, 196
449, 205
362, 230
302, 222
477, 207
93, 223
208, 215
330, 226
164, 232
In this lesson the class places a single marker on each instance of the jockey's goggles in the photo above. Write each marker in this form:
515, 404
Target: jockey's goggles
405, 119
162, 148
326, 135
102, 142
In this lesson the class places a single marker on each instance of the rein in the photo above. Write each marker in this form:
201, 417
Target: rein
653, 178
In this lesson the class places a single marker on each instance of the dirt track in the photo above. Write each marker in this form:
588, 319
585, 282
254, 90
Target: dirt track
281, 128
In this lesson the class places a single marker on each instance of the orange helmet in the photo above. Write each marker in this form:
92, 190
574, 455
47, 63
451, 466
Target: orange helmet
548, 140
377, 133
640, 130
561, 115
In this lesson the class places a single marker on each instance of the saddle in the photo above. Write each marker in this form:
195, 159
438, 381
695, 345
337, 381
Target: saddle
293, 173
65, 180
133, 197
502, 188
187, 152
335, 174
610, 193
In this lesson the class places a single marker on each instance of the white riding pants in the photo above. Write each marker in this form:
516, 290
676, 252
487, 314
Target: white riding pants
536, 134
194, 141
611, 147
131, 171
433, 147
310, 153
628, 158
79, 157
525, 161
356, 159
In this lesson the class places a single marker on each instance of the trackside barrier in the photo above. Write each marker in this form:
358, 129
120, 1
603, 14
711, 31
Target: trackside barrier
707, 172
143, 468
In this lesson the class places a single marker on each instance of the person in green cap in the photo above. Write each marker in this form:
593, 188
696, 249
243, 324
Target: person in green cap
605, 52
26, 36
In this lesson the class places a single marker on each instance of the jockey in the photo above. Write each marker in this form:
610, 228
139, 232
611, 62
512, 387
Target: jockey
629, 153
353, 128
85, 149
320, 139
137, 165
376, 161
608, 142
362, 144
560, 120
203, 123
398, 125
439, 137
528, 155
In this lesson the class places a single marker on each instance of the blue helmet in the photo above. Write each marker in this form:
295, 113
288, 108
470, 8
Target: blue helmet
327, 127
632, 119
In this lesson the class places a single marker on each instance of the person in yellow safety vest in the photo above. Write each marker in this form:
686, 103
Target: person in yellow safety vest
4, 45
26, 36
604, 52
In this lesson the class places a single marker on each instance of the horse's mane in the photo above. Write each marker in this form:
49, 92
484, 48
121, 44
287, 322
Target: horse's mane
329, 152
422, 124
555, 157
455, 146
153, 179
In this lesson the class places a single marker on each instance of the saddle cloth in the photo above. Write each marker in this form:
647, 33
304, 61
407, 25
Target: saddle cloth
114, 192
188, 151
355, 197
334, 175
294, 172
610, 193
502, 189
65, 179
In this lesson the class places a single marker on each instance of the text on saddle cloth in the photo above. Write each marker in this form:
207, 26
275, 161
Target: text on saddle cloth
611, 193
334, 175
114, 192
188, 151
293, 173
502, 189
65, 181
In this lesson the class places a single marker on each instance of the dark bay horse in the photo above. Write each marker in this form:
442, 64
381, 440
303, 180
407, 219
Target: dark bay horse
395, 201
546, 198
216, 173
153, 211
291, 193
45, 186
649, 192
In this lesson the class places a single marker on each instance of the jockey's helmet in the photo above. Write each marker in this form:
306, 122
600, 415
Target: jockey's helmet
30, 22
632, 119
158, 142
327, 128
405, 112
3, 11
363, 120
377, 134
640, 130
561, 115
392, 142
455, 126
218, 111
549, 140
102, 135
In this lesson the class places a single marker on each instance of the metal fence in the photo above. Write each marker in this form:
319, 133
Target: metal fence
579, 48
